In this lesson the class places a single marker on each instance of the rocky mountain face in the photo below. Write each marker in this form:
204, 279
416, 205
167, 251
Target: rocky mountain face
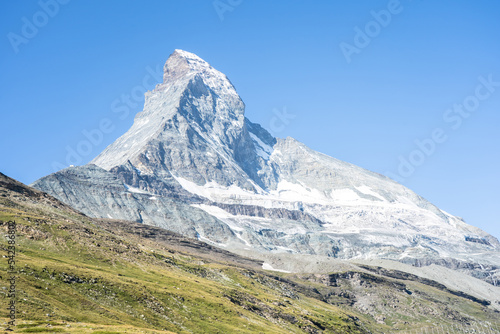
192, 163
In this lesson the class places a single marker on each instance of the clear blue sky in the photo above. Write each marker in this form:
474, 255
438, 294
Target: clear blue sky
420, 62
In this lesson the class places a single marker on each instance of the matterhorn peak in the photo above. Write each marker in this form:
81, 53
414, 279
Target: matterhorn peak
192, 163
183, 65
195, 105
186, 54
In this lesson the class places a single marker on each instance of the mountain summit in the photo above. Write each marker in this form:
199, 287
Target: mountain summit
193, 123
192, 163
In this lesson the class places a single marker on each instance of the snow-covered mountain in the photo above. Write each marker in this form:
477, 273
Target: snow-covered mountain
193, 163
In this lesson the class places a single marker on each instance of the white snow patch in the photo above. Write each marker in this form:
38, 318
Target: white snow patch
286, 249
344, 195
287, 194
212, 190
368, 191
211, 242
267, 266
262, 149
294, 192
219, 213
135, 190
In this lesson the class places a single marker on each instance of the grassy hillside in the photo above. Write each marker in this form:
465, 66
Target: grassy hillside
81, 275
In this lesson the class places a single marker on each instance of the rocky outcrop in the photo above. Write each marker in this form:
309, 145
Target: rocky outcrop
100, 193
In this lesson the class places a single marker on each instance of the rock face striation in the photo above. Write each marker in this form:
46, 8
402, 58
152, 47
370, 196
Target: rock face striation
192, 163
